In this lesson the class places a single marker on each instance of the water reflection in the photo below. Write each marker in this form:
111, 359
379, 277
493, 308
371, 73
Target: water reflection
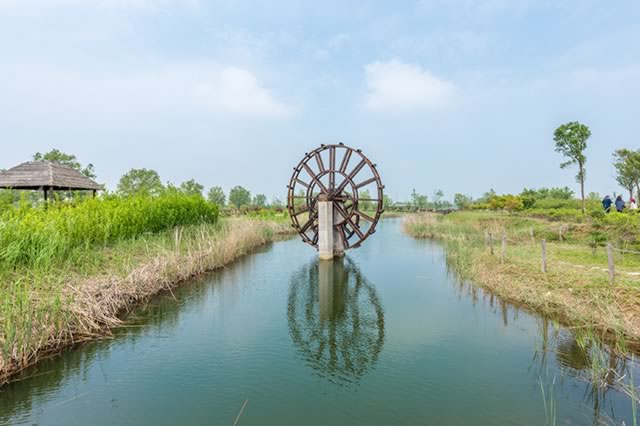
599, 364
336, 319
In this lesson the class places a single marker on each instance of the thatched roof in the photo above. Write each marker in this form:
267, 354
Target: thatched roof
45, 174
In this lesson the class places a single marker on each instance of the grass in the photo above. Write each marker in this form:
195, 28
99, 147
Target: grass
41, 237
575, 287
550, 407
75, 287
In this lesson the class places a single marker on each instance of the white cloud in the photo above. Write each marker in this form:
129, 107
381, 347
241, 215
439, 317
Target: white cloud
236, 90
395, 85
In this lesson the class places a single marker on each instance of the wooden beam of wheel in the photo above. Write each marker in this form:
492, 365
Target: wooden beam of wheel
353, 174
343, 237
315, 178
347, 218
365, 216
320, 162
332, 167
305, 184
366, 182
306, 226
345, 161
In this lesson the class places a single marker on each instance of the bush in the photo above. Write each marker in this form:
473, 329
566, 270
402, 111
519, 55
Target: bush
568, 215
37, 236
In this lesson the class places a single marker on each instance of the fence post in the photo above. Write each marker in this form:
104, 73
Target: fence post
504, 246
491, 243
486, 239
533, 240
612, 268
560, 232
544, 256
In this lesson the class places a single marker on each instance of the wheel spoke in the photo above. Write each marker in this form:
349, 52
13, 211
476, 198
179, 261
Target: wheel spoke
320, 162
306, 209
332, 167
365, 216
305, 184
343, 236
353, 174
306, 226
315, 178
366, 182
345, 161
355, 228
347, 218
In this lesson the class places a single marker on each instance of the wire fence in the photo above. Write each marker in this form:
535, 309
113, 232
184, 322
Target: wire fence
490, 242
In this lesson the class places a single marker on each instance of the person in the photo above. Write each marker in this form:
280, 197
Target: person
632, 204
619, 204
606, 204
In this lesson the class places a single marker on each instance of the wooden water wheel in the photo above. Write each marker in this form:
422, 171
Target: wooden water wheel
347, 178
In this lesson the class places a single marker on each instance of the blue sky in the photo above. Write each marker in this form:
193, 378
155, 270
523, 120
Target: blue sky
457, 95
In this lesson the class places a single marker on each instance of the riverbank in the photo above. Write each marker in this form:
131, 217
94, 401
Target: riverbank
576, 285
43, 311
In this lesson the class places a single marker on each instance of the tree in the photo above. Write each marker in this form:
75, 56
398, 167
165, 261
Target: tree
462, 201
437, 197
386, 201
571, 141
238, 196
488, 196
216, 196
627, 165
594, 196
56, 156
418, 201
140, 181
560, 193
260, 200
191, 187
277, 203
365, 205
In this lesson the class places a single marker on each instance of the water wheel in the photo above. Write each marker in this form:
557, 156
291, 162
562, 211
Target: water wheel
344, 176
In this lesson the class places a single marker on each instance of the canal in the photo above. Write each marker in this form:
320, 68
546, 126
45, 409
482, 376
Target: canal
386, 336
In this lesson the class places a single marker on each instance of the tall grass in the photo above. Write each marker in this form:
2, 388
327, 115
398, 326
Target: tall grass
575, 287
40, 237
41, 312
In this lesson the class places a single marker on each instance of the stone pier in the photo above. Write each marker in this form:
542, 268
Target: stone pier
325, 229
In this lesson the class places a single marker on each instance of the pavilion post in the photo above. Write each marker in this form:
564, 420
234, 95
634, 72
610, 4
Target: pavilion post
46, 190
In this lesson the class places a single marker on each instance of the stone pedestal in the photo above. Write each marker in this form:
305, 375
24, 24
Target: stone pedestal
326, 232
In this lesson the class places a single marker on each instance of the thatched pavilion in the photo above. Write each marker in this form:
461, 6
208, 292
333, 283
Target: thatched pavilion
46, 176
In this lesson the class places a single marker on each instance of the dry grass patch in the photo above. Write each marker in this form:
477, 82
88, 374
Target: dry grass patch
41, 314
575, 287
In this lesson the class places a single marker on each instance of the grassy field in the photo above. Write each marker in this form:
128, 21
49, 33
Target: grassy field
576, 285
75, 285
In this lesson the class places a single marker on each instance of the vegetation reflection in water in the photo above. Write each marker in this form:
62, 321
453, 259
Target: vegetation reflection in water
336, 319
606, 364
268, 329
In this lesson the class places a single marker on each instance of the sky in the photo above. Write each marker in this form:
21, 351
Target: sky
461, 96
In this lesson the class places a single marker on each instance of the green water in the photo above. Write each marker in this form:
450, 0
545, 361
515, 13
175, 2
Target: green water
387, 336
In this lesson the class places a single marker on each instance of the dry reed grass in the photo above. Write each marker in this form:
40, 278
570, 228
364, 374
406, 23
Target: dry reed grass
88, 307
579, 295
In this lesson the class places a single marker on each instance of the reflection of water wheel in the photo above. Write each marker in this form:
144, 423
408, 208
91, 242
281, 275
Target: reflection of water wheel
336, 320
327, 172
